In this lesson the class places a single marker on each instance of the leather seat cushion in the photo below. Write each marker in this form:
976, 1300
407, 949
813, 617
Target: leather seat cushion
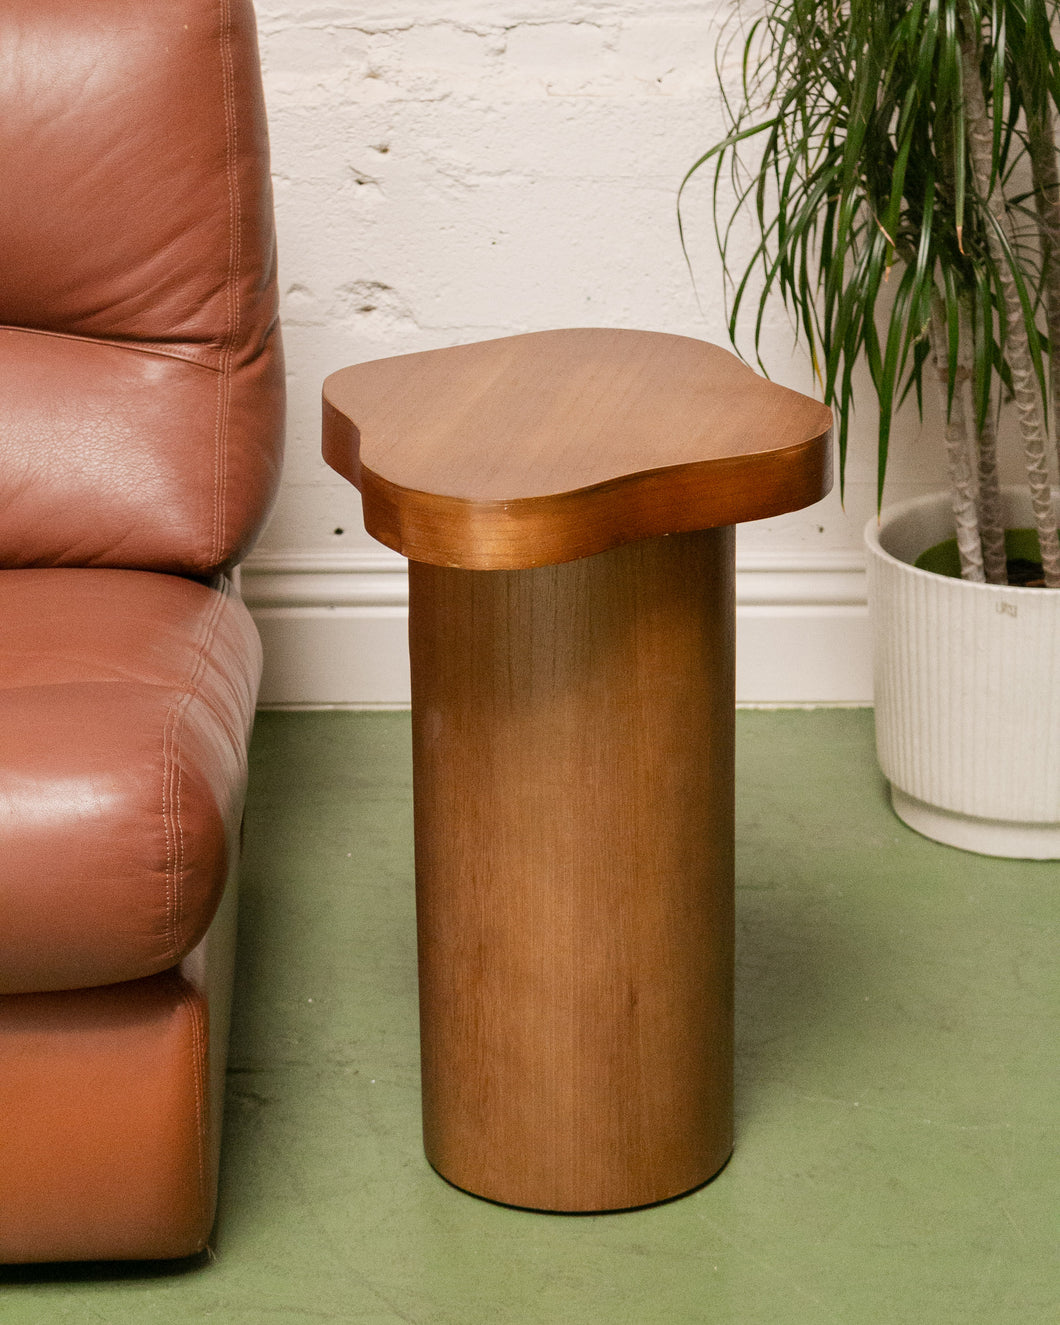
126, 701
126, 1172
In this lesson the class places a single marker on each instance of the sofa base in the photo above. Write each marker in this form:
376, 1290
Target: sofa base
111, 1100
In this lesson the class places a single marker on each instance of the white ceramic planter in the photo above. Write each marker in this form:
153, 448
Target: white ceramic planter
967, 691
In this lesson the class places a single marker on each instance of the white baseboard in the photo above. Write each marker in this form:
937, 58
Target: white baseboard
802, 630
334, 629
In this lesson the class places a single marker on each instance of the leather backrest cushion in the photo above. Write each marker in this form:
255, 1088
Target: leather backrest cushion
141, 377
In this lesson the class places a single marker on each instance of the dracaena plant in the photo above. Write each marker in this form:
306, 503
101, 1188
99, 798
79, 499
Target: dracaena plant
897, 164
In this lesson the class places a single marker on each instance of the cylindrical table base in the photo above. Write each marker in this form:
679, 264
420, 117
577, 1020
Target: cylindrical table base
573, 755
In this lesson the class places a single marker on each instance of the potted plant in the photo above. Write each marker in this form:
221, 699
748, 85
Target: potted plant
897, 162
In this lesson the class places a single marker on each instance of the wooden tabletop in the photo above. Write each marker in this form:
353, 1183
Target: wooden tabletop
555, 445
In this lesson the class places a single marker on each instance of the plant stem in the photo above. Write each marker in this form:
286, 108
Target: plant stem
1041, 148
1017, 340
962, 486
990, 523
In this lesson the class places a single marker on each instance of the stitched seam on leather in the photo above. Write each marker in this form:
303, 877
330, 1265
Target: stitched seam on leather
219, 425
174, 860
141, 347
174, 827
172, 780
167, 765
200, 1066
234, 227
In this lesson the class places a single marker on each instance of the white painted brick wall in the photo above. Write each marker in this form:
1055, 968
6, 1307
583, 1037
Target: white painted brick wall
450, 172
447, 172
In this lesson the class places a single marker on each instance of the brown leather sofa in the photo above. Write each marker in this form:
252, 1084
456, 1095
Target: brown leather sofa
141, 407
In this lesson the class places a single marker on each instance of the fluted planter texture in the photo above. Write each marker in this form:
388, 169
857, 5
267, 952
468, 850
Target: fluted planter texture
967, 690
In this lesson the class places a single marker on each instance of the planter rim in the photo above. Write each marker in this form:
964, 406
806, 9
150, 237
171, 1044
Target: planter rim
875, 524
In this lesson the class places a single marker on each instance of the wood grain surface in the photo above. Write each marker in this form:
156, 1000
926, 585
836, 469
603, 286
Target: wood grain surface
573, 756
554, 445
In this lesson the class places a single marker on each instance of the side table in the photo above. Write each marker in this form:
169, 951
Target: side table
567, 500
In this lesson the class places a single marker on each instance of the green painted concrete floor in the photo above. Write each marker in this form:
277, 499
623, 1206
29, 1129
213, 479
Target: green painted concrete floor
898, 1082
